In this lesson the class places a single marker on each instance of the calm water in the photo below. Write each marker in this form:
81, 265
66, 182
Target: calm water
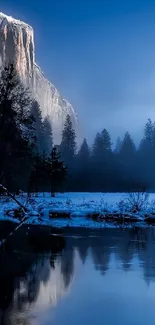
104, 277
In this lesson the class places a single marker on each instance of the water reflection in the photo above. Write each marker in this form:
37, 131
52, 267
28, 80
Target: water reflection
34, 287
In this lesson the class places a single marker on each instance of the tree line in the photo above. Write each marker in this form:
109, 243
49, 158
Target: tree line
30, 161
106, 167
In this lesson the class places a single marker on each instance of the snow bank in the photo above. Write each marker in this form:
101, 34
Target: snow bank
77, 205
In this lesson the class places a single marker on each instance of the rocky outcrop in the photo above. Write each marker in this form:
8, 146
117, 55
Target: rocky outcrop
52, 102
17, 47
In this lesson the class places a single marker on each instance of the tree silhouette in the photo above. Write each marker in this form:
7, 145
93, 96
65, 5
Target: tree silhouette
68, 143
48, 135
56, 171
16, 132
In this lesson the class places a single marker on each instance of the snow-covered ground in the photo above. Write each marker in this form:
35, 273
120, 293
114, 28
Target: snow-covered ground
78, 205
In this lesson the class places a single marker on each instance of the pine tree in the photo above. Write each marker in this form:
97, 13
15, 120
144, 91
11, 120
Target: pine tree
38, 127
17, 97
106, 142
128, 148
48, 135
16, 136
149, 132
127, 160
84, 153
147, 144
39, 178
56, 170
102, 146
68, 143
102, 160
97, 148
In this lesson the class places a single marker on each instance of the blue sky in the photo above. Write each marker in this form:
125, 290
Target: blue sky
100, 54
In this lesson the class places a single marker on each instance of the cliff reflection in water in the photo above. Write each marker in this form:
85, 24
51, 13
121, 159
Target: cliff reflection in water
45, 279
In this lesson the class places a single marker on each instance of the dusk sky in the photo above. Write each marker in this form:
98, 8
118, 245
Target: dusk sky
100, 54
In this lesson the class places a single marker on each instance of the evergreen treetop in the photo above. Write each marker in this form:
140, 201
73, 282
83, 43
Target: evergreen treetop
68, 143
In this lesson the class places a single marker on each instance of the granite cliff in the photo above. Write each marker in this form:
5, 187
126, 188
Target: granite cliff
17, 47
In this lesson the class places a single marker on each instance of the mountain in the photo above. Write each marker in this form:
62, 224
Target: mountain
17, 47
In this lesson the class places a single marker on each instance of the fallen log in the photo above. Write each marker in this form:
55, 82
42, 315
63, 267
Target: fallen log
13, 198
25, 211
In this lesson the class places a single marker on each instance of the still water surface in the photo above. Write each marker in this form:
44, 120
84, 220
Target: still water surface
100, 277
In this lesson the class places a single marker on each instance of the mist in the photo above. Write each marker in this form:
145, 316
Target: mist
108, 74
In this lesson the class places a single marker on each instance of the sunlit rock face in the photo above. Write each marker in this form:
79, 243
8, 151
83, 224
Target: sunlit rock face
52, 102
17, 47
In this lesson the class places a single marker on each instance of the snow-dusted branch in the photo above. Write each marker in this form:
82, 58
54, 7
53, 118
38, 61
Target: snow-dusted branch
24, 209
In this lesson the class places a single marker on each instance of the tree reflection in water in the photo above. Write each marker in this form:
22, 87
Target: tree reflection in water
33, 282
27, 279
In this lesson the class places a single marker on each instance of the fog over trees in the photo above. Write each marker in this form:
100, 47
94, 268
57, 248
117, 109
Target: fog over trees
30, 161
107, 167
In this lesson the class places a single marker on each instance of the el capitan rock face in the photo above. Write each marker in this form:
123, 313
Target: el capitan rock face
17, 47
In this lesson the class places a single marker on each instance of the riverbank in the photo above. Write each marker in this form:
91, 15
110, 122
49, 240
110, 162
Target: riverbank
90, 210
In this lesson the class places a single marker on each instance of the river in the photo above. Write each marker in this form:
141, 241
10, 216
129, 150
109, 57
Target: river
98, 277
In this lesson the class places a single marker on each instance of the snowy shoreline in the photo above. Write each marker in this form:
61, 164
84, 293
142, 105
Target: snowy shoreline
90, 210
